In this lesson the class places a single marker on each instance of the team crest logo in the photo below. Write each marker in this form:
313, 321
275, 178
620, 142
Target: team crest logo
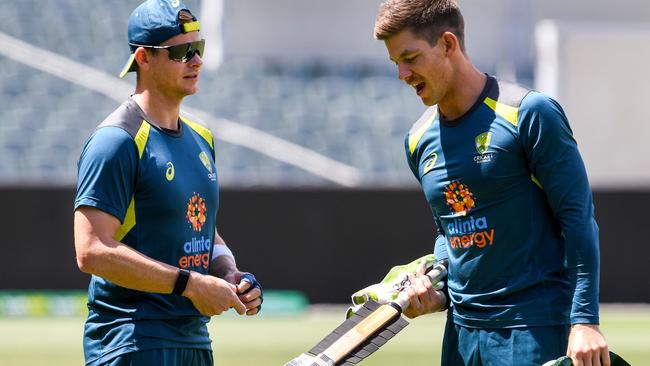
433, 157
459, 198
206, 161
482, 142
196, 212
175, 3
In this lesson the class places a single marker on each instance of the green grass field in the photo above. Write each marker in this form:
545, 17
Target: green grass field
273, 340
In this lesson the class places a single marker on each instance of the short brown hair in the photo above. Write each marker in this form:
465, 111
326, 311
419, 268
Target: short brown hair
425, 18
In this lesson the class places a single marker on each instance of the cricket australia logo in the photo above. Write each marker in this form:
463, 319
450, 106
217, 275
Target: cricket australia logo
196, 212
482, 143
206, 163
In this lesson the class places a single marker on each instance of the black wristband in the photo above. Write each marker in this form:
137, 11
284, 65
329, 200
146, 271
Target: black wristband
181, 281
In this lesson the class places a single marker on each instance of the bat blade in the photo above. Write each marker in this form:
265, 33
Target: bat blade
370, 343
364, 332
309, 360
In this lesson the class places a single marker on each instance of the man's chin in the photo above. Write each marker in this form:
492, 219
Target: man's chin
191, 91
428, 101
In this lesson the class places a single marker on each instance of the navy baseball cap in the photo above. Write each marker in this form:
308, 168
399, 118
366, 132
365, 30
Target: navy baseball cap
155, 21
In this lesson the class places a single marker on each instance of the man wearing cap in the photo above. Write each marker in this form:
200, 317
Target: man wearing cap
145, 210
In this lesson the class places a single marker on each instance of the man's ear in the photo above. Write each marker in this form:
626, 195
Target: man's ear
142, 58
450, 42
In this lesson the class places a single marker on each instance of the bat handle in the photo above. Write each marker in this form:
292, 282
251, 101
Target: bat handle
436, 274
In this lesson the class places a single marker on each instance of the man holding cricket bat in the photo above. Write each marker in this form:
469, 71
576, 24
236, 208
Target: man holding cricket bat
510, 198
146, 207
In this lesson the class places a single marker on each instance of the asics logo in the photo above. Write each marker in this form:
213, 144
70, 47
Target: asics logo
431, 162
169, 172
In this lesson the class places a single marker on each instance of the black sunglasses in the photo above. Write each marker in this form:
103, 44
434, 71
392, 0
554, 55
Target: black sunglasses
180, 52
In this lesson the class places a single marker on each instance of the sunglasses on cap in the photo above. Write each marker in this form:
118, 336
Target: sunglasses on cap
180, 52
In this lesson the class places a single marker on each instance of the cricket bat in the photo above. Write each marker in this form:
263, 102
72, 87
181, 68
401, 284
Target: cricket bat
364, 333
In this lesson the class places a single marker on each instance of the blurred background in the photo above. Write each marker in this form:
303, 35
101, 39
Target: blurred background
309, 117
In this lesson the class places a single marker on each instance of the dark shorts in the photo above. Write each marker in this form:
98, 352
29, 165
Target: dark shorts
527, 346
164, 357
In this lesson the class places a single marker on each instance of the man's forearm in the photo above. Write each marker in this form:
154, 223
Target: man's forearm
223, 266
223, 263
126, 267
583, 262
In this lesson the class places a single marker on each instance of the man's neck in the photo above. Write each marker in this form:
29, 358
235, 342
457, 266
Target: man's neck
467, 85
163, 110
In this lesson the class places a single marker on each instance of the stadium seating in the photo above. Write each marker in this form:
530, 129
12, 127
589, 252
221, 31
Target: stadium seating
356, 114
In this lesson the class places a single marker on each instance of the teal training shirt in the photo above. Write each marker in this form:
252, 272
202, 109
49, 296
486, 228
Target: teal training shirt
513, 209
162, 186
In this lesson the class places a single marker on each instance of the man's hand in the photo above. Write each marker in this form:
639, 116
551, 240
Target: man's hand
587, 346
212, 296
249, 293
424, 299
252, 298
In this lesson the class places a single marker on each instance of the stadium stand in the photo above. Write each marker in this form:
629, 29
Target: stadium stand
356, 114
